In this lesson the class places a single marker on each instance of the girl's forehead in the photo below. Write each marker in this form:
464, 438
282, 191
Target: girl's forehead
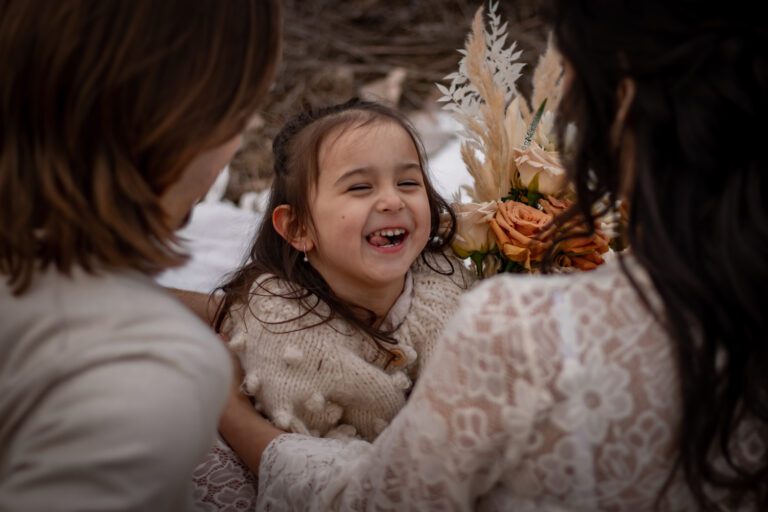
355, 136
363, 149
359, 128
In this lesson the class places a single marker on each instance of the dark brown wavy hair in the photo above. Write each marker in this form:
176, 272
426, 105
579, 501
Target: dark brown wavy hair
698, 220
295, 151
102, 104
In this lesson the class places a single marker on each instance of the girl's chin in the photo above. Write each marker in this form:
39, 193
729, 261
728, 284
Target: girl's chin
386, 273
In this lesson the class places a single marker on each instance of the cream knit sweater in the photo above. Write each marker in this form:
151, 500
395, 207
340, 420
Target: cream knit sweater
330, 380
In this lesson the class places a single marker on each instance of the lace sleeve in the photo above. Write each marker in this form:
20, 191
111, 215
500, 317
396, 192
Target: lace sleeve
465, 424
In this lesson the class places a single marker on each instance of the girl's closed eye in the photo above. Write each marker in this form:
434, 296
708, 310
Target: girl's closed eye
359, 187
409, 183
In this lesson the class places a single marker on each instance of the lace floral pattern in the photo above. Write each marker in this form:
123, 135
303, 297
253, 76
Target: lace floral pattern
223, 483
548, 393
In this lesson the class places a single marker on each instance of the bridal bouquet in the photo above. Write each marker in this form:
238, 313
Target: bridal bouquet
513, 155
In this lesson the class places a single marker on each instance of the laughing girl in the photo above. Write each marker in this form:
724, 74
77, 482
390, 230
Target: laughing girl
347, 288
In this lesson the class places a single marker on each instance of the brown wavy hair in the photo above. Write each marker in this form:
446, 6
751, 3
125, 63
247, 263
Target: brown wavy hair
102, 104
295, 151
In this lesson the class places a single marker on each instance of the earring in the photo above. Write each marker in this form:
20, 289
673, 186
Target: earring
305, 253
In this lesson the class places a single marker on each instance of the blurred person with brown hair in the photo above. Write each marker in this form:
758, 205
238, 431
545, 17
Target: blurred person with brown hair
115, 118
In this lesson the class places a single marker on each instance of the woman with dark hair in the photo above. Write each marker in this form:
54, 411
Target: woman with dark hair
115, 118
638, 386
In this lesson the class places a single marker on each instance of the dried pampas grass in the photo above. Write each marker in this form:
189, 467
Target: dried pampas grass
484, 98
478, 96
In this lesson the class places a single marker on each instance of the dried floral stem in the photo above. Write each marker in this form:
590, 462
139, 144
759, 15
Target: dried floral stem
479, 95
547, 78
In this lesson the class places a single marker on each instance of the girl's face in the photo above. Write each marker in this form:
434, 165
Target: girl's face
370, 210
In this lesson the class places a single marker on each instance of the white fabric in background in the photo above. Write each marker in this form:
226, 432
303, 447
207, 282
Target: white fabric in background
217, 238
447, 169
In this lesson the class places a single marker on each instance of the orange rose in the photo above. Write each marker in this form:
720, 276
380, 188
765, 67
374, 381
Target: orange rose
587, 262
519, 231
583, 252
553, 205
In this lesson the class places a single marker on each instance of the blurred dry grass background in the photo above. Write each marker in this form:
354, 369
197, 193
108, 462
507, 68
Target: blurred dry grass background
336, 49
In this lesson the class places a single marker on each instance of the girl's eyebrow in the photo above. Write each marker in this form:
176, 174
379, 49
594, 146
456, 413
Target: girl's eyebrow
405, 166
353, 172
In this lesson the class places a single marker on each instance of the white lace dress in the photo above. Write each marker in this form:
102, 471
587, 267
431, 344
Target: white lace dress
549, 393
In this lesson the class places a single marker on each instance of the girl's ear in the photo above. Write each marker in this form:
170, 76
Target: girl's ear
284, 222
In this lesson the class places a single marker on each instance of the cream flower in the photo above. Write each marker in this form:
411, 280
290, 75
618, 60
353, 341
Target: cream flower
595, 396
473, 233
534, 161
563, 468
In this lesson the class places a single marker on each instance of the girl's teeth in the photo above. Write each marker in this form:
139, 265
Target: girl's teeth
389, 232
386, 237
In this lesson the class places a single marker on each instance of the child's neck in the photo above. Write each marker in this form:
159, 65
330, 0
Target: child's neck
379, 300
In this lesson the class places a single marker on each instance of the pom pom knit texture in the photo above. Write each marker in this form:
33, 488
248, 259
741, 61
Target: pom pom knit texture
331, 380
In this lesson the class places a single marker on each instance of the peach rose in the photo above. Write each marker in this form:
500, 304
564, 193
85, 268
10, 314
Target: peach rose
473, 234
519, 231
534, 161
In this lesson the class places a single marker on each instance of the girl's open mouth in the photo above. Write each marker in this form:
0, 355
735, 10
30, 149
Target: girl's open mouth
384, 238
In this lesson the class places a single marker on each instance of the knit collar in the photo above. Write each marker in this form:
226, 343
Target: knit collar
399, 310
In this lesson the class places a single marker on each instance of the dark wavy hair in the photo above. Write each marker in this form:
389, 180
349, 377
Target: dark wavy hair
295, 149
698, 219
102, 105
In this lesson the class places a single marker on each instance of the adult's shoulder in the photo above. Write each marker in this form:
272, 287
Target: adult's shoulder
63, 323
92, 364
540, 311
527, 288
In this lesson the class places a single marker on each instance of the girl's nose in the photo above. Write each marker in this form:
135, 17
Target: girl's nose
390, 201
